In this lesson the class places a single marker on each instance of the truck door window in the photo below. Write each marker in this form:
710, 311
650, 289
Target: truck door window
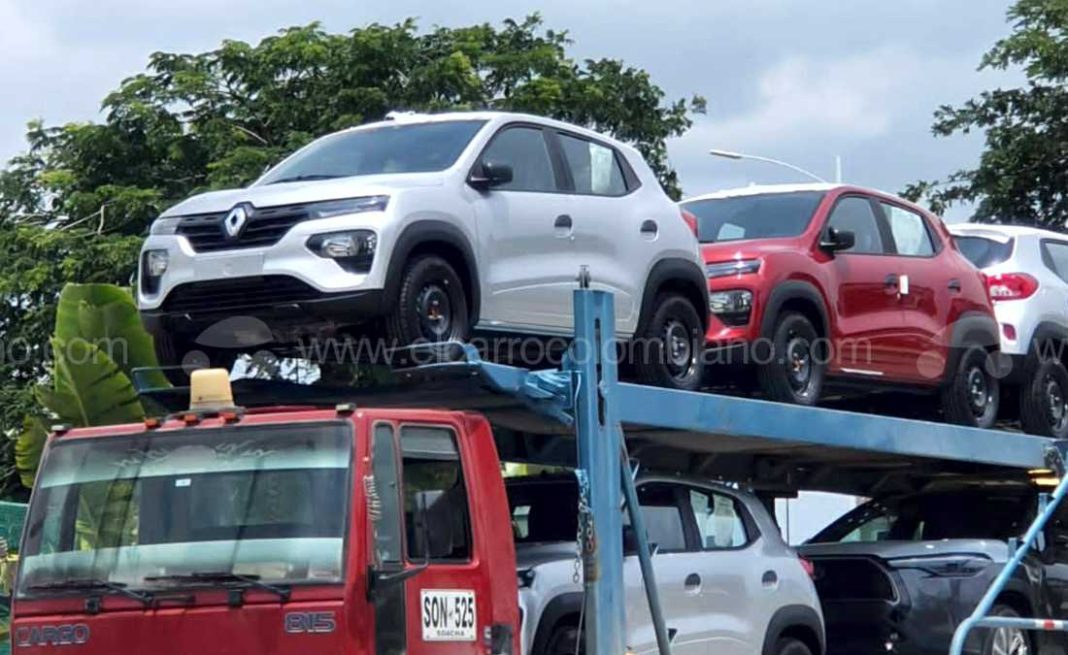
434, 492
385, 489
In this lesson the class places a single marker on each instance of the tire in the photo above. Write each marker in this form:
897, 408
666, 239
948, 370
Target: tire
431, 305
1044, 399
565, 640
1006, 641
791, 646
796, 366
179, 358
670, 352
971, 396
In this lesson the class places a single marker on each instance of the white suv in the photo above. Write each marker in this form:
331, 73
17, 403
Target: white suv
1027, 277
427, 227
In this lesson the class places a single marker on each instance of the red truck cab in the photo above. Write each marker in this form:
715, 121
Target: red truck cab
276, 531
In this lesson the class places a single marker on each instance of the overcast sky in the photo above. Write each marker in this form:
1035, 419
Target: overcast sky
800, 80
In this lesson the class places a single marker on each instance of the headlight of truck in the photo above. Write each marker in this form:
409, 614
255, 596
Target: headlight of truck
347, 206
735, 267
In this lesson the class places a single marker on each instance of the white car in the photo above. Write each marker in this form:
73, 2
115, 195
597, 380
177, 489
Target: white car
1027, 277
728, 584
429, 227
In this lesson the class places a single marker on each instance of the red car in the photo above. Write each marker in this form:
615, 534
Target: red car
815, 283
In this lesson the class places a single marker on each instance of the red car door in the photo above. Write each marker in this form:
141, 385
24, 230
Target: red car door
866, 342
926, 282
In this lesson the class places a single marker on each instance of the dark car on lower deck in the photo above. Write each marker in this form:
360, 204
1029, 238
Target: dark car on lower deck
898, 574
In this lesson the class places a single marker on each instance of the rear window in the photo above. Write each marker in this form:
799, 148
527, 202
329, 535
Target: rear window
763, 216
984, 252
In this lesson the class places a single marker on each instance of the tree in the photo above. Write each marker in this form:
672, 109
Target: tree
73, 207
1022, 176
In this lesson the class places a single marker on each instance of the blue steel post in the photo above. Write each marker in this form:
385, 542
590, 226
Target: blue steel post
599, 447
979, 617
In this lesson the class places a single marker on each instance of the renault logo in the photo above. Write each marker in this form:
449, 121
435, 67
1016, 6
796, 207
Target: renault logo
235, 221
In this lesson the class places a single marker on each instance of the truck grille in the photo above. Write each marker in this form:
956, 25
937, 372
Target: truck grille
265, 227
853, 579
238, 293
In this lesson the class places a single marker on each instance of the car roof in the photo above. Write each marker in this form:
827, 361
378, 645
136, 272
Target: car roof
762, 189
497, 117
1005, 232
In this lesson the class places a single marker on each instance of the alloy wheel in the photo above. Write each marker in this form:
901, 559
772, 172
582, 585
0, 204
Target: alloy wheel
1009, 641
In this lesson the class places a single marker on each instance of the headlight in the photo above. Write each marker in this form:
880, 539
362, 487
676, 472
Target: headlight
735, 267
737, 301
945, 566
347, 206
165, 225
156, 262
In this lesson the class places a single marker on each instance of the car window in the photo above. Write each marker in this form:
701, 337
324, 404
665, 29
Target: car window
854, 214
756, 216
594, 167
984, 252
909, 229
537, 511
433, 484
719, 520
524, 149
1055, 255
662, 517
389, 148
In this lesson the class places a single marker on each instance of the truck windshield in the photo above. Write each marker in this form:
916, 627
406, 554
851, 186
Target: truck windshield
757, 216
400, 148
263, 502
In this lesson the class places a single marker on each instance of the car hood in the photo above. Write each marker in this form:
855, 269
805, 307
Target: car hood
747, 249
529, 556
290, 193
889, 550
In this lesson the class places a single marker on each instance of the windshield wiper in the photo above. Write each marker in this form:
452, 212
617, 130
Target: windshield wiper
222, 578
304, 178
92, 584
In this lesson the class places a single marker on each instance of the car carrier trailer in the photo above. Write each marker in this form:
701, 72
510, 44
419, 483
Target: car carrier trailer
582, 414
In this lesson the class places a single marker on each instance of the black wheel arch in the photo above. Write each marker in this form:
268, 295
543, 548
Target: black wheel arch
679, 275
442, 239
799, 622
798, 294
559, 611
1048, 333
970, 329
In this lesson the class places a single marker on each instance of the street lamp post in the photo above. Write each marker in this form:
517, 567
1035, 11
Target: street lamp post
727, 154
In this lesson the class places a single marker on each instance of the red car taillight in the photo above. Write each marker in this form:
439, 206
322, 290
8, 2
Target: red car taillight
691, 220
809, 567
1011, 286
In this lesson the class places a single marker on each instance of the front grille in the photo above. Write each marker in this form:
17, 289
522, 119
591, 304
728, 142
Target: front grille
238, 293
856, 578
265, 227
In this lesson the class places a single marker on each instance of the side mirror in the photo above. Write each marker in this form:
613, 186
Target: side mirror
490, 175
838, 240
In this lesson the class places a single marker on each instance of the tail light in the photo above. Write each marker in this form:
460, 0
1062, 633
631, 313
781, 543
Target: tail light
809, 567
1011, 286
690, 219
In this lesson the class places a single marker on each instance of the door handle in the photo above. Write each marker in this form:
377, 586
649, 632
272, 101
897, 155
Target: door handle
564, 226
693, 583
650, 229
954, 285
769, 579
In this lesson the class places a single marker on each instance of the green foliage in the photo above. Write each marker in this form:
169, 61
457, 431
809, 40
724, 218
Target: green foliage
1022, 174
73, 207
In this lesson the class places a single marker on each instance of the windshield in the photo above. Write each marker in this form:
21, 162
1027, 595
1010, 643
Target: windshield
263, 502
967, 515
400, 148
763, 216
984, 252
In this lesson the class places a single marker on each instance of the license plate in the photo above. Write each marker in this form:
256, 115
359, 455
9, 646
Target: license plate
448, 615
229, 266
